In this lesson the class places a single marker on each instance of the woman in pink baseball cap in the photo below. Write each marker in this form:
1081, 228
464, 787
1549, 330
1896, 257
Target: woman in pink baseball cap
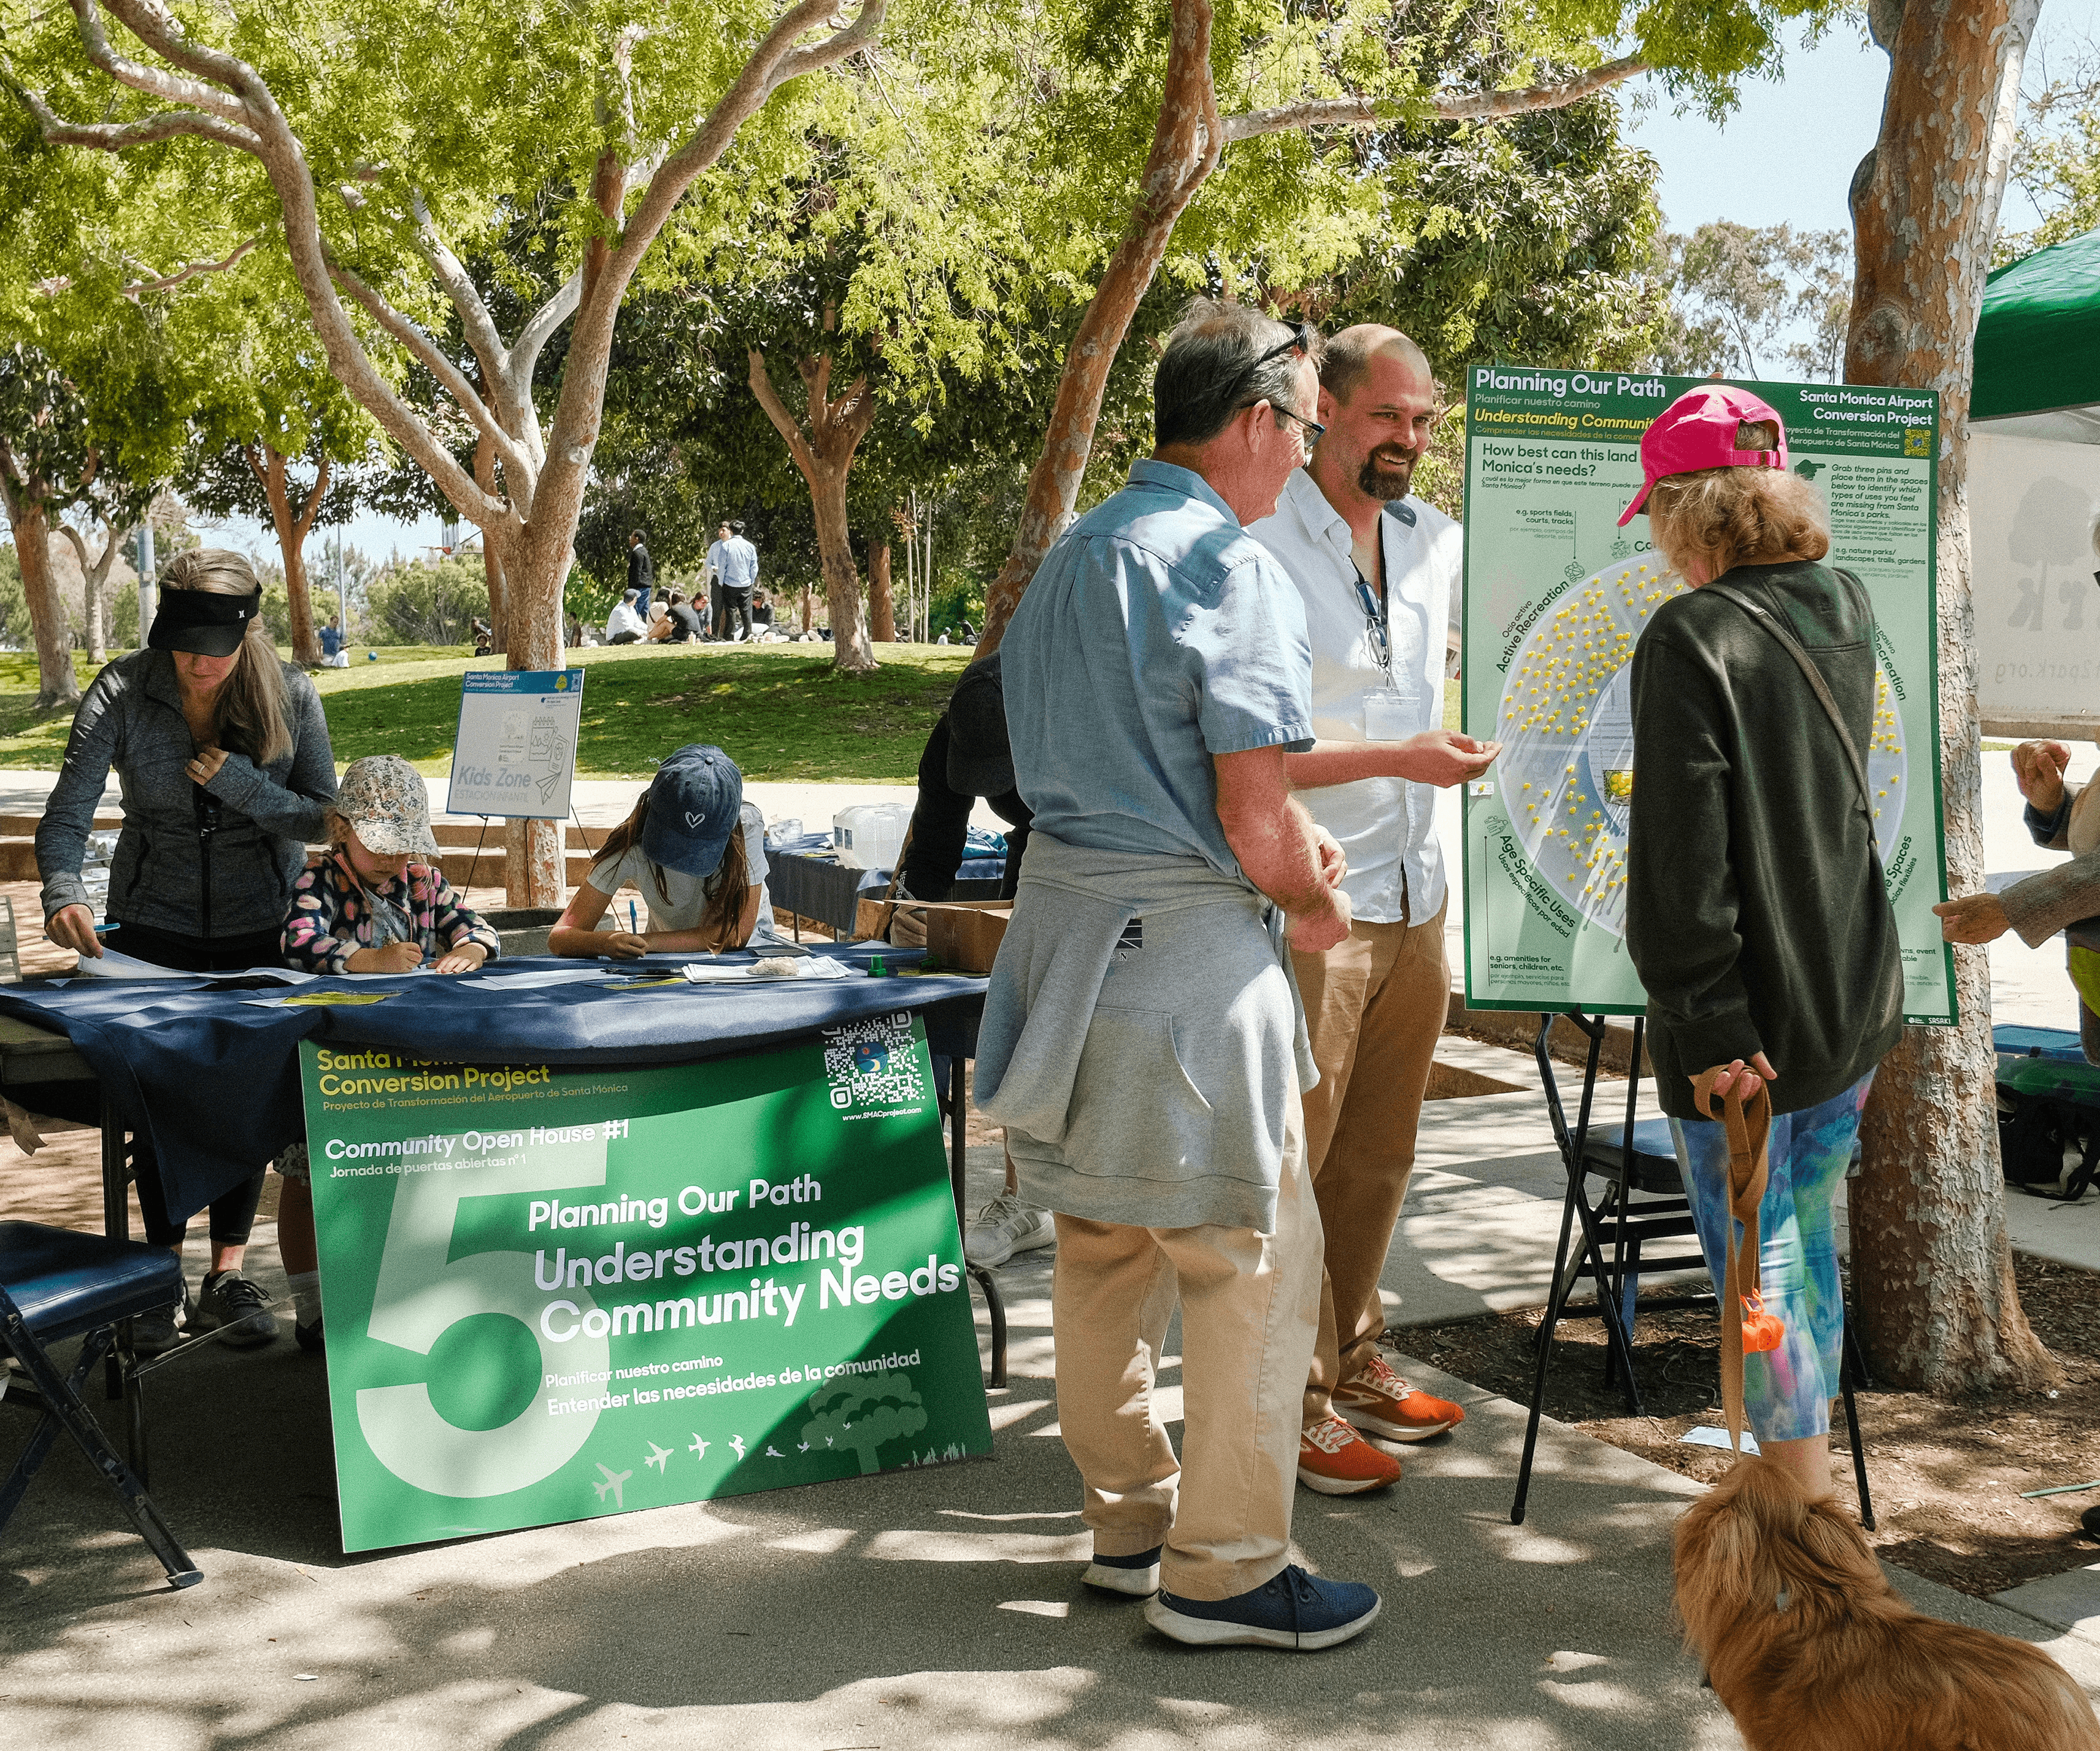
1756, 912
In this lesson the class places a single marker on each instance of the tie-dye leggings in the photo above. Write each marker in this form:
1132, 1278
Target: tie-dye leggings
1786, 1391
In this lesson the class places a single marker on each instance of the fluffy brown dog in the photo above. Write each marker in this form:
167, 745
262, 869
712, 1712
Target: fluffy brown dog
1812, 1649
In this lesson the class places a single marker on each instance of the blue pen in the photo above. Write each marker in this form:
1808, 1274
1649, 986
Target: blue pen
634, 924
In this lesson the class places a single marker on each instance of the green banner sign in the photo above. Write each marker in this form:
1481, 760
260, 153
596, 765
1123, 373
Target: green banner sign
1555, 596
555, 1293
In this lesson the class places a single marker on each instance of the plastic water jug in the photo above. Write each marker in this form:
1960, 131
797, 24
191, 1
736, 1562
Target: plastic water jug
871, 836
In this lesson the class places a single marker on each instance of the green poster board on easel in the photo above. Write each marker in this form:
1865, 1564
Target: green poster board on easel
1555, 596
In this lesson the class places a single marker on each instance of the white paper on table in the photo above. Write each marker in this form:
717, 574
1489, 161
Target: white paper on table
112, 965
763, 972
526, 982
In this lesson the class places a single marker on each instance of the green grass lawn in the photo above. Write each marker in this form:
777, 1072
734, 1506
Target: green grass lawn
780, 711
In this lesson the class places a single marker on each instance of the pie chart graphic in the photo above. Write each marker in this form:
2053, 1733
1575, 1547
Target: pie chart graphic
1565, 775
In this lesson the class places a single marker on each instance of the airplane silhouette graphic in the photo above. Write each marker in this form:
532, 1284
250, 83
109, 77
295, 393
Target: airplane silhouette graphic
659, 1457
697, 1447
613, 1481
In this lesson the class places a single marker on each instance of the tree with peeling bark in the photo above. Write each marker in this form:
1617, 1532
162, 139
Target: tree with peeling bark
116, 509
387, 137
1288, 87
1931, 1270
822, 441
53, 461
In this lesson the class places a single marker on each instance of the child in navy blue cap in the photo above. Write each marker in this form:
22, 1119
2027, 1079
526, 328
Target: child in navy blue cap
695, 850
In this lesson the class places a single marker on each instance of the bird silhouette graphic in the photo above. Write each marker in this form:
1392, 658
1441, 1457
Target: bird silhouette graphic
771, 1454
659, 1457
736, 1442
697, 1447
802, 1447
613, 1481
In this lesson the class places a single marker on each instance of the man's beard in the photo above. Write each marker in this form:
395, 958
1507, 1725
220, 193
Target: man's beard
1386, 479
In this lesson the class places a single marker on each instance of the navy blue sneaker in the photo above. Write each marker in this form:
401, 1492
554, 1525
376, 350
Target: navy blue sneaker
1293, 1610
1136, 1575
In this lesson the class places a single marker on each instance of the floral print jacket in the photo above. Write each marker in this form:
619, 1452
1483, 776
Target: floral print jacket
334, 916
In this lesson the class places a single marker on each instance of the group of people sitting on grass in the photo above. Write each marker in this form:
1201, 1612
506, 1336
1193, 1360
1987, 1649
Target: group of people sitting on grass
221, 751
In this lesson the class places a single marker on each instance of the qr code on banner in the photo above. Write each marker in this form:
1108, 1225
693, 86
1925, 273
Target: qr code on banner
874, 1063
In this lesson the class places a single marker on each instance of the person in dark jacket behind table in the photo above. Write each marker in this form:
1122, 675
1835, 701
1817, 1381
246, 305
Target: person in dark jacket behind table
967, 756
1756, 911
223, 755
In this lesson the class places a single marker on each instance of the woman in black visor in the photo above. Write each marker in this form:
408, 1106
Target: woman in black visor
222, 754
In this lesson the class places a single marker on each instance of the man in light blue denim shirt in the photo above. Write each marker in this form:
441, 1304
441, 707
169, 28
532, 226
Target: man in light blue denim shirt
1155, 636
1141, 1042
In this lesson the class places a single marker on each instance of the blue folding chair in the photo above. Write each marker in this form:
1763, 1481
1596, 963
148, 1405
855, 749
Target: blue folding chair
56, 1284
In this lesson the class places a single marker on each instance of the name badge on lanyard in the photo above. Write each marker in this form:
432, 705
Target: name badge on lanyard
1386, 716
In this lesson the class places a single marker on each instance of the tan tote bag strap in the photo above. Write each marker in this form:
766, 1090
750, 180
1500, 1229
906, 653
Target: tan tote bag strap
1749, 1125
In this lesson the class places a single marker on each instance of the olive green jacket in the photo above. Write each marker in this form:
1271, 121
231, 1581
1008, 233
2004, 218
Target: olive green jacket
1756, 911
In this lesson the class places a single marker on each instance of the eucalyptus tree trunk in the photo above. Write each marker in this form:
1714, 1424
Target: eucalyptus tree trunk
196, 88
57, 688
95, 584
824, 451
1932, 1272
293, 526
1185, 145
881, 595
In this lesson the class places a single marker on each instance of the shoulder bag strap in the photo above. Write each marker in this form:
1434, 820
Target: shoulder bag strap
1792, 645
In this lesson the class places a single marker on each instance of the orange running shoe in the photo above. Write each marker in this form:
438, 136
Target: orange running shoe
1336, 1460
1380, 1403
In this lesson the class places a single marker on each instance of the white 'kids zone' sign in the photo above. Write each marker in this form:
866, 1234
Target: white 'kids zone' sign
515, 754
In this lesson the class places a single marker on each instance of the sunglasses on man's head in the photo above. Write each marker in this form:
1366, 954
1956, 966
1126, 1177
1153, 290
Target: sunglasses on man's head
1304, 337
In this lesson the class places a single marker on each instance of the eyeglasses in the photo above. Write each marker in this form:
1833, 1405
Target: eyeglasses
1313, 428
1375, 626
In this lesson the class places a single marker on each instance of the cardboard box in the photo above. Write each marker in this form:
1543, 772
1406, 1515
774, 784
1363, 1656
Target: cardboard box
963, 935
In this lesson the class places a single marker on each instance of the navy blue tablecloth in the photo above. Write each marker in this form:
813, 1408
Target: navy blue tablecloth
213, 1077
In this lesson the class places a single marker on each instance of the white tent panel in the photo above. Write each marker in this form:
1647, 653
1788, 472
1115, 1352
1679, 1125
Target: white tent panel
2032, 505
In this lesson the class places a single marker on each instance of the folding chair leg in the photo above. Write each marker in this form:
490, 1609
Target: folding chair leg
62, 1408
134, 1406
995, 1306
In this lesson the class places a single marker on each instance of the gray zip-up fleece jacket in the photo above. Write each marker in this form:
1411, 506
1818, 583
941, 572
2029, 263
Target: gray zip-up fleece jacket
169, 872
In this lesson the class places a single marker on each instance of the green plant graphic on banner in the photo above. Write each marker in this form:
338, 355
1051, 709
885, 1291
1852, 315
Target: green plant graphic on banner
553, 1294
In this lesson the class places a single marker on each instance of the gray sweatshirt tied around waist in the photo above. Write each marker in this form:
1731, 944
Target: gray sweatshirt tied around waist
1144, 1076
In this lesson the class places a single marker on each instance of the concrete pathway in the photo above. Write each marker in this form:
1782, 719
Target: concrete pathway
934, 1610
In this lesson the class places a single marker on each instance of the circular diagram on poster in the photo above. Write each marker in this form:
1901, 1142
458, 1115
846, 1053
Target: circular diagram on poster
1565, 722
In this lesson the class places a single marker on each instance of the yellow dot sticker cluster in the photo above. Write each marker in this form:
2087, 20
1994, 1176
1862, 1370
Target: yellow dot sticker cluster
1563, 668
1565, 721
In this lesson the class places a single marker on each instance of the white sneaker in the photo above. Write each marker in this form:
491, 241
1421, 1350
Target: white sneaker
1007, 1225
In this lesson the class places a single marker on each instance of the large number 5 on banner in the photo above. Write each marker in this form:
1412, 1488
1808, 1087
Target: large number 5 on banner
421, 1292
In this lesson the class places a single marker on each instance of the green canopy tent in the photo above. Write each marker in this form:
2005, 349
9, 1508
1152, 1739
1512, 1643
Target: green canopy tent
2034, 493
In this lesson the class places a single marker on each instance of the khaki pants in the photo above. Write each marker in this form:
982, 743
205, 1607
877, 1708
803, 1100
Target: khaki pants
1249, 1304
1375, 1005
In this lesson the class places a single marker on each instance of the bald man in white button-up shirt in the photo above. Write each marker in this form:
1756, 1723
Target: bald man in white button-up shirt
1379, 572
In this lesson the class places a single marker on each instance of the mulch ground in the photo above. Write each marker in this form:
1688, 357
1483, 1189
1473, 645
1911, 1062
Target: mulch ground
1946, 1474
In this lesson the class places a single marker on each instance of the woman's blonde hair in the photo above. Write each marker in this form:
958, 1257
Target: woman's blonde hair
1731, 517
250, 707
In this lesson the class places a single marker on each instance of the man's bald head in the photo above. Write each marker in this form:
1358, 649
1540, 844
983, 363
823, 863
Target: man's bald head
1349, 354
